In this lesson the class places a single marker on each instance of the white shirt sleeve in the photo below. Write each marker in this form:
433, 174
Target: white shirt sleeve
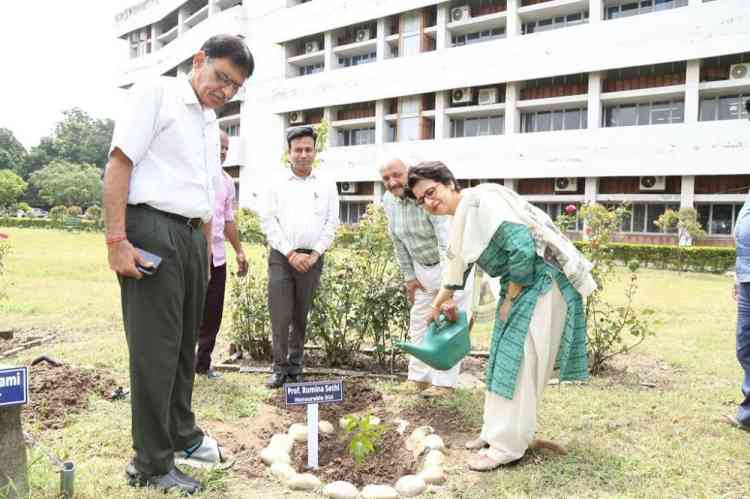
139, 121
331, 222
268, 209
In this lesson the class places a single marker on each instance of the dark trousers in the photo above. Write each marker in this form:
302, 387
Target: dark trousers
290, 296
213, 311
162, 314
743, 349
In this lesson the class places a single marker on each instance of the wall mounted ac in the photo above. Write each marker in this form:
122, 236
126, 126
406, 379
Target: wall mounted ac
348, 187
462, 96
739, 71
362, 35
296, 118
461, 13
566, 184
652, 183
312, 46
487, 96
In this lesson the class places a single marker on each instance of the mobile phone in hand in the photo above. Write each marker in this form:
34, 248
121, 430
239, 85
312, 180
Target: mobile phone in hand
155, 261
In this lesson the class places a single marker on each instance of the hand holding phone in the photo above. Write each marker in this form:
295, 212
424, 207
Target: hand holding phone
154, 260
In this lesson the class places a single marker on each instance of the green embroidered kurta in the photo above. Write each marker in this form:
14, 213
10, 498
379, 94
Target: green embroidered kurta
511, 256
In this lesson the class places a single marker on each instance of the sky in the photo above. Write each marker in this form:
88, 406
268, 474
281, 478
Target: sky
57, 54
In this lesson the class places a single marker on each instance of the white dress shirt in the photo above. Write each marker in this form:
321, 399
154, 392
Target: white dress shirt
300, 212
173, 143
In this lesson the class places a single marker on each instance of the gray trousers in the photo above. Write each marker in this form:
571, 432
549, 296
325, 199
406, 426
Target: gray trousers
290, 296
162, 315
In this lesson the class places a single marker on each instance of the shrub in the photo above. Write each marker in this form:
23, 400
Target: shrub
24, 207
45, 223
251, 319
73, 211
685, 222
4, 250
608, 326
365, 436
248, 225
57, 212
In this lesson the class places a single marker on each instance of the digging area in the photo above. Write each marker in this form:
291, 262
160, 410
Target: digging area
55, 393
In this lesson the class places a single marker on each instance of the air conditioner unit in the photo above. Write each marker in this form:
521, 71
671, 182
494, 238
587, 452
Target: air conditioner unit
348, 187
487, 96
362, 35
653, 183
461, 13
296, 118
462, 95
566, 184
312, 46
739, 71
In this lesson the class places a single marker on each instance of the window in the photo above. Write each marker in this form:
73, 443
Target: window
718, 219
562, 119
728, 107
351, 211
473, 127
356, 136
554, 23
357, 59
310, 69
408, 123
642, 217
140, 42
232, 130
410, 35
626, 8
477, 37
648, 113
554, 210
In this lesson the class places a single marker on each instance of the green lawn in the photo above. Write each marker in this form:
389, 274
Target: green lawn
624, 439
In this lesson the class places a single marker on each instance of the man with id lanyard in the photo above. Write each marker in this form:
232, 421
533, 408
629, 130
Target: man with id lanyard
159, 191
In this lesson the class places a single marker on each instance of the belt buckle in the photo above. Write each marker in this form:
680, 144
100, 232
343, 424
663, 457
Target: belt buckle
193, 223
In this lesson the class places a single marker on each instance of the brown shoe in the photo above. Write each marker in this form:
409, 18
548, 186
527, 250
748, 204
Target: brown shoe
482, 462
437, 391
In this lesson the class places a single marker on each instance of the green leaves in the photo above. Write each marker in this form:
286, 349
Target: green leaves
365, 436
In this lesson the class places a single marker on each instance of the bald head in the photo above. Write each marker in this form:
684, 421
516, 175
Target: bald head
224, 147
393, 174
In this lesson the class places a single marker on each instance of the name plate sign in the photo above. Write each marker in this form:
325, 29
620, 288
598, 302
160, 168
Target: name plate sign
14, 386
315, 392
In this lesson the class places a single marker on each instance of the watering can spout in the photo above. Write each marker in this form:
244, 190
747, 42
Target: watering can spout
444, 344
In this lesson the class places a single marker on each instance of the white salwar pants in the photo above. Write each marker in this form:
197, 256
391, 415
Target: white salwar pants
509, 425
431, 280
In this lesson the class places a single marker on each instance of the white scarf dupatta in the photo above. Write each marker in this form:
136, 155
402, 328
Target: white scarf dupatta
479, 214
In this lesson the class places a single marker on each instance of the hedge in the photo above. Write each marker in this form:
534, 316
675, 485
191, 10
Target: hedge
696, 258
46, 223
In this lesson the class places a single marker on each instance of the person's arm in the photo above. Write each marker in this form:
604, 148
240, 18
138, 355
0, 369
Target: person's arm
232, 234
207, 233
121, 255
440, 225
328, 234
269, 222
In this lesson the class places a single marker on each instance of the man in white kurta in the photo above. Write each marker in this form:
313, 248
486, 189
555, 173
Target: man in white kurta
420, 241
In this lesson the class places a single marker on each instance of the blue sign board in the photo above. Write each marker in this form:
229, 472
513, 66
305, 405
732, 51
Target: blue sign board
14, 386
315, 392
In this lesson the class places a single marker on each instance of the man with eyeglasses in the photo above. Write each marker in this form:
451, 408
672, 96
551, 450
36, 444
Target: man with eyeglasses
159, 191
420, 241
741, 294
298, 214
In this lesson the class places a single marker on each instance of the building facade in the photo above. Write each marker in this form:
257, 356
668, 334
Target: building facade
565, 101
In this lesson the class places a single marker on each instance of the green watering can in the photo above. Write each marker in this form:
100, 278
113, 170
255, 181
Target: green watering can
444, 344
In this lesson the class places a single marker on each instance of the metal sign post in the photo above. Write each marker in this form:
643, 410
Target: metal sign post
311, 394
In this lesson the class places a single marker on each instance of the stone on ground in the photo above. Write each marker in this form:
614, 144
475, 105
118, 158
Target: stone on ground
432, 475
340, 490
271, 455
282, 471
434, 442
304, 481
282, 441
434, 458
325, 427
298, 432
410, 486
379, 492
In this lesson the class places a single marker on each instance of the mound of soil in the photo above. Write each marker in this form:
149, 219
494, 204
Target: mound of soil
390, 461
358, 396
58, 392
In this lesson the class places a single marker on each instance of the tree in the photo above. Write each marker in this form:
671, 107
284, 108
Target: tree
79, 138
37, 158
12, 152
66, 183
686, 223
11, 187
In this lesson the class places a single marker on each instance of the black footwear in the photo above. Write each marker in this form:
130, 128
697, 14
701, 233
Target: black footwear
173, 480
295, 378
276, 380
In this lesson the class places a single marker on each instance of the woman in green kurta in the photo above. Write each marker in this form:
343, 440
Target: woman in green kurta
540, 323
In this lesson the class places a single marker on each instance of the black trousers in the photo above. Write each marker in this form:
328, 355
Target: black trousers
162, 314
213, 311
290, 296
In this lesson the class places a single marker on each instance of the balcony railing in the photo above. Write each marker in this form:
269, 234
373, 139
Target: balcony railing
649, 81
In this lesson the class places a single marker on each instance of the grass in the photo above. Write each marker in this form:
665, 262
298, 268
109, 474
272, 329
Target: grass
624, 439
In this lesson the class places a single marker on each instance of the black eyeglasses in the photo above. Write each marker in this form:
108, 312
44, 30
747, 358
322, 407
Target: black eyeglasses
428, 194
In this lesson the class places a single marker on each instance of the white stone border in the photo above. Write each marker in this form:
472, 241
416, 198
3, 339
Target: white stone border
423, 441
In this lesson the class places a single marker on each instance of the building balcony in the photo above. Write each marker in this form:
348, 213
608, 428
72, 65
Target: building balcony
641, 95
197, 17
532, 10
356, 48
477, 24
475, 111
643, 82
307, 59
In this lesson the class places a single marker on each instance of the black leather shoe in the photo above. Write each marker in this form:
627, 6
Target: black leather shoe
276, 380
174, 480
295, 378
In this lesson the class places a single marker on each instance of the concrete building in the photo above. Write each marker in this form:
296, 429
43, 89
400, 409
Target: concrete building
565, 101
